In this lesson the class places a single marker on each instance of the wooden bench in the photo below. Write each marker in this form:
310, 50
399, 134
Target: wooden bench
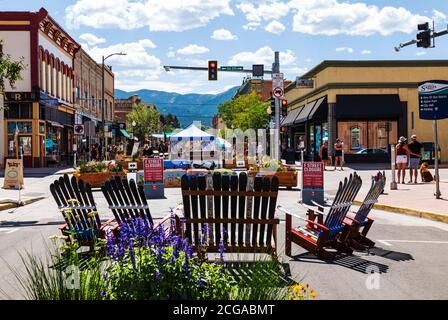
320, 234
360, 223
239, 211
77, 205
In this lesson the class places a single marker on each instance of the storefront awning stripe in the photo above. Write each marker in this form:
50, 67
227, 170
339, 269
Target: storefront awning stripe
289, 120
318, 105
125, 133
303, 116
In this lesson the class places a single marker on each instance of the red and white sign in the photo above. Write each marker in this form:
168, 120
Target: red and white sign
153, 170
278, 92
313, 175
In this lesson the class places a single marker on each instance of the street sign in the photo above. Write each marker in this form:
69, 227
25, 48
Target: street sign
278, 92
277, 80
231, 68
258, 70
153, 178
433, 99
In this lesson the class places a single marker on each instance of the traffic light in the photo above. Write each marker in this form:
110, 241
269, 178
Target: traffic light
424, 37
284, 108
213, 70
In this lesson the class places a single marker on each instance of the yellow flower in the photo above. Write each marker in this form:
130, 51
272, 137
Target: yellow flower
313, 294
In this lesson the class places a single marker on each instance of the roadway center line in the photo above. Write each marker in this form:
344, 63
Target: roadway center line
387, 242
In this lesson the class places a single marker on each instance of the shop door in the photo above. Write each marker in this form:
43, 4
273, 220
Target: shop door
26, 148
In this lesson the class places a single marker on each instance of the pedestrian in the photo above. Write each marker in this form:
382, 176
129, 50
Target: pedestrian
323, 153
147, 152
415, 152
338, 147
93, 153
401, 159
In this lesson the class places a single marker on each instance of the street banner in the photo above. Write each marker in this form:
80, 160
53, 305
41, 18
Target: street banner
433, 99
312, 183
13, 174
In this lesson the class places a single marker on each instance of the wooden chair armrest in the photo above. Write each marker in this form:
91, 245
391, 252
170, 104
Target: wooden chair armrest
318, 224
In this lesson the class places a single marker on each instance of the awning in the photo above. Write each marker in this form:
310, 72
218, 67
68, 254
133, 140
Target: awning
292, 115
55, 124
319, 111
303, 116
125, 133
368, 107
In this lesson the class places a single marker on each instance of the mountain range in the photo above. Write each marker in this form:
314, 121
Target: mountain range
187, 107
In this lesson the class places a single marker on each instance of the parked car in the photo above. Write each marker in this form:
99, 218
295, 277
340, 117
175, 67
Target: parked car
371, 150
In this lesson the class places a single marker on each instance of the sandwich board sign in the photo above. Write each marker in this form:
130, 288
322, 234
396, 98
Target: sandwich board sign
13, 174
153, 178
312, 182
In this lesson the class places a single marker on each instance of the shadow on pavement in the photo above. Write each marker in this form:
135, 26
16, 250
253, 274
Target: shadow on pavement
389, 254
9, 224
368, 166
352, 262
38, 172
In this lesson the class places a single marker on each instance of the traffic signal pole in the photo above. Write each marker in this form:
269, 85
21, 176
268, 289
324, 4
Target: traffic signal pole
277, 144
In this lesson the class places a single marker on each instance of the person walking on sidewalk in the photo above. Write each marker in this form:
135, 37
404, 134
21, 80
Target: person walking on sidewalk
415, 152
323, 153
402, 151
338, 153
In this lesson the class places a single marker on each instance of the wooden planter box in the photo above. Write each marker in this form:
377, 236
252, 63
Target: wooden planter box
96, 179
285, 179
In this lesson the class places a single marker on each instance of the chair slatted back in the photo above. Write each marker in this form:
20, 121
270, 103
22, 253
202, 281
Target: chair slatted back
75, 201
239, 210
126, 200
342, 202
376, 189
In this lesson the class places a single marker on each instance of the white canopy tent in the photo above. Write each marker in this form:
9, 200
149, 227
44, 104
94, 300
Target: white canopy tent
192, 133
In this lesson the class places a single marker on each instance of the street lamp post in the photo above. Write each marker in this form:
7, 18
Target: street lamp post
103, 140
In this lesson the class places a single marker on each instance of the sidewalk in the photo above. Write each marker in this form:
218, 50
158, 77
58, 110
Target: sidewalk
412, 199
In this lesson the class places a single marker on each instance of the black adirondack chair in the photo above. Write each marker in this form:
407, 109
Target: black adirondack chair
127, 201
77, 205
320, 234
360, 223
239, 211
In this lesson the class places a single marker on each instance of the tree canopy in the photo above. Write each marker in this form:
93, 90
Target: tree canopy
244, 112
147, 120
10, 70
169, 122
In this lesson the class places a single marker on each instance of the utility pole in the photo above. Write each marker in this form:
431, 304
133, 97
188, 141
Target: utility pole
276, 69
424, 41
103, 140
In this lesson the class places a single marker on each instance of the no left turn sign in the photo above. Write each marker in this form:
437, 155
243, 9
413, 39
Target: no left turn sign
278, 93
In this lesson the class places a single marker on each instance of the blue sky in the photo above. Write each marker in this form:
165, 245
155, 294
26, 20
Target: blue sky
154, 33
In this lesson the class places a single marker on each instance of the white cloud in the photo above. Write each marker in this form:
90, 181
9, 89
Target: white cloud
333, 17
223, 34
167, 15
275, 27
347, 49
91, 39
171, 54
251, 26
136, 54
440, 18
265, 11
193, 49
420, 53
366, 51
264, 56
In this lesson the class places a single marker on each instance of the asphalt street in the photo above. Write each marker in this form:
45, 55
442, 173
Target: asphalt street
411, 253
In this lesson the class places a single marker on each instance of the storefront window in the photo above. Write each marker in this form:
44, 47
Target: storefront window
11, 146
354, 138
52, 142
364, 137
25, 143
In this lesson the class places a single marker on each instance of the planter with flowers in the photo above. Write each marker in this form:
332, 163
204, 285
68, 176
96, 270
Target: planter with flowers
286, 174
96, 173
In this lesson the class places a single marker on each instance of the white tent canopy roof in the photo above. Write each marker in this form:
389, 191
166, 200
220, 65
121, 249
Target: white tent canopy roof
192, 133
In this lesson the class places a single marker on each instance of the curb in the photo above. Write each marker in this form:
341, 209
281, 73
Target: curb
11, 205
410, 212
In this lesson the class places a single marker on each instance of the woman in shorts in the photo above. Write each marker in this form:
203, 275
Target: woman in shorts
401, 159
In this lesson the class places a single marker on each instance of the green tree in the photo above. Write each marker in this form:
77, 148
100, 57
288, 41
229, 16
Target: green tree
169, 122
146, 118
244, 112
10, 70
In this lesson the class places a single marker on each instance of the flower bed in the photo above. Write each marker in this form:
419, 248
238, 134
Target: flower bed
96, 173
286, 174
